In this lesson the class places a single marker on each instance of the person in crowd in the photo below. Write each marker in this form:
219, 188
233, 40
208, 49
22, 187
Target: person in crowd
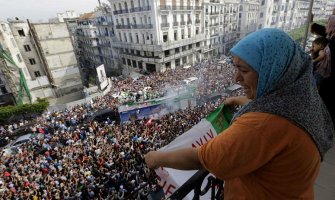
276, 141
326, 89
321, 59
318, 29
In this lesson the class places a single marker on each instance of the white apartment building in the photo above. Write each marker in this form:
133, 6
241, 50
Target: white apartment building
105, 28
152, 35
87, 40
248, 16
62, 17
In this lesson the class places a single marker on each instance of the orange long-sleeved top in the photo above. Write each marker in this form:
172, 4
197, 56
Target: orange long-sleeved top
263, 156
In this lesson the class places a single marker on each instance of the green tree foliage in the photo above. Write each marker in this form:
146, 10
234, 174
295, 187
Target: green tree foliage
298, 33
8, 112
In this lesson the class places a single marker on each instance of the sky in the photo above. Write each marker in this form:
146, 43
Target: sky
36, 10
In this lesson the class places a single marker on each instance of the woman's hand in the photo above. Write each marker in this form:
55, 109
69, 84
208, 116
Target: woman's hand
236, 101
150, 159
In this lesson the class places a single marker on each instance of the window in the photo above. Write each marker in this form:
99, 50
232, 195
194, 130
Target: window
13, 42
165, 37
261, 15
27, 47
21, 33
37, 73
176, 50
19, 57
175, 35
4, 27
32, 61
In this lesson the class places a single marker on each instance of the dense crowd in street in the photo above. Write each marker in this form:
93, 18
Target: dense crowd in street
79, 160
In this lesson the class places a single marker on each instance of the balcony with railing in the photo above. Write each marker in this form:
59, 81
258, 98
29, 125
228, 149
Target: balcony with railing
197, 21
117, 12
175, 23
189, 22
140, 9
123, 26
165, 25
182, 23
142, 26
164, 7
324, 187
182, 7
197, 8
194, 184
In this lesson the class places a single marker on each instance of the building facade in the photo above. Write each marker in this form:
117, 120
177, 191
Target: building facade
54, 44
155, 35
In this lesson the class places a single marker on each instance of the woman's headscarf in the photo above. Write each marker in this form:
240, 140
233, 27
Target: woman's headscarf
285, 85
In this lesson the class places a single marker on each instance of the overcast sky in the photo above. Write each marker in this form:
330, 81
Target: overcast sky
43, 9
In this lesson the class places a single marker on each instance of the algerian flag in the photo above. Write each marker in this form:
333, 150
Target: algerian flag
205, 130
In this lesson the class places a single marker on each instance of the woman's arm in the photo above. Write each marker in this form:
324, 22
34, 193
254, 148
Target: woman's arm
183, 159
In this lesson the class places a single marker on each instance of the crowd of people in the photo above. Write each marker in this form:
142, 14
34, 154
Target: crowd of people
323, 56
78, 160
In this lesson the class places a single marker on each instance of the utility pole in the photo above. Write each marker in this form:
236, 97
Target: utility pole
309, 19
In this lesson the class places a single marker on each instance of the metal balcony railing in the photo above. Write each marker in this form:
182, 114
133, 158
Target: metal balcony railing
165, 25
182, 7
194, 184
140, 9
197, 8
165, 7
123, 26
189, 22
183, 23
175, 23
142, 26
117, 12
197, 21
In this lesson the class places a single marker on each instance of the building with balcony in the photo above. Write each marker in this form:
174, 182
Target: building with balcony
248, 16
87, 39
221, 25
153, 35
105, 29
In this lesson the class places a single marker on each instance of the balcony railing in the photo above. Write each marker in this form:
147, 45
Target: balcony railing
197, 21
123, 26
117, 12
183, 23
142, 26
165, 7
189, 22
140, 9
197, 8
165, 25
195, 183
175, 23
182, 7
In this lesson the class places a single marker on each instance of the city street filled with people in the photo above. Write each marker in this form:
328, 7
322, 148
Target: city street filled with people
74, 158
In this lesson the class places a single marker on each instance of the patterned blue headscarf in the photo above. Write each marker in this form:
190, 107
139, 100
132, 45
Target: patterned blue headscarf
269, 52
286, 86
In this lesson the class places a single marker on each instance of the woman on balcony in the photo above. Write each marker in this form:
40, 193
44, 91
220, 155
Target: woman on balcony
275, 144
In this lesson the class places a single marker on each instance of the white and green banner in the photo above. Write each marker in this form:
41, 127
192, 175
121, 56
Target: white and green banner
205, 130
